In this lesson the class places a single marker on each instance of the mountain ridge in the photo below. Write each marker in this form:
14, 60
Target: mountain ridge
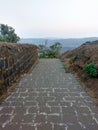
66, 42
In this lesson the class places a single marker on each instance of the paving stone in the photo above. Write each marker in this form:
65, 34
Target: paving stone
32, 98
32, 94
55, 110
27, 127
92, 127
59, 127
54, 118
28, 118
19, 110
81, 110
65, 104
15, 95
4, 118
16, 103
41, 94
32, 110
22, 99
79, 102
43, 126
61, 90
41, 102
11, 99
75, 127
7, 110
18, 119
68, 110
30, 103
40, 118
11, 127
86, 119
44, 109
74, 95
47, 98
5, 104
53, 103
69, 118
61, 94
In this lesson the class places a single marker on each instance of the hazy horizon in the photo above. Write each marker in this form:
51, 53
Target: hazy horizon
51, 18
56, 37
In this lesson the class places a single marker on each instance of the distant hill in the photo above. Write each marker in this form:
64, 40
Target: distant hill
67, 44
71, 42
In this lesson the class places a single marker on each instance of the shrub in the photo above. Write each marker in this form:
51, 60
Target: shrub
72, 59
49, 52
91, 70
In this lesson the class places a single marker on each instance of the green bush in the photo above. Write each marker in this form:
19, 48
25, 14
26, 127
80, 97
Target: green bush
91, 70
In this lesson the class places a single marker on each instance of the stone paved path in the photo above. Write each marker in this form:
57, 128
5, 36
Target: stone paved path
48, 99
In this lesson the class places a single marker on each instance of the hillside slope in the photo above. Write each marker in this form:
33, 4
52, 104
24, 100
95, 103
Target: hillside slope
75, 61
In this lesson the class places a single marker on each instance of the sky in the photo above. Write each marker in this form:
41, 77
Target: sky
51, 18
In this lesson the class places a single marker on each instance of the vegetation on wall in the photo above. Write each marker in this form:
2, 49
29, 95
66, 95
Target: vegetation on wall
72, 59
7, 34
91, 70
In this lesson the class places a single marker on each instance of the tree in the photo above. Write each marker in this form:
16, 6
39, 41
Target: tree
51, 52
56, 47
41, 47
7, 34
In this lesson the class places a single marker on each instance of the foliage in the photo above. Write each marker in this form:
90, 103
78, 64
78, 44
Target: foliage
72, 59
57, 46
7, 34
51, 52
41, 47
91, 70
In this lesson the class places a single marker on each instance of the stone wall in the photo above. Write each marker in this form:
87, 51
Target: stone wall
15, 59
